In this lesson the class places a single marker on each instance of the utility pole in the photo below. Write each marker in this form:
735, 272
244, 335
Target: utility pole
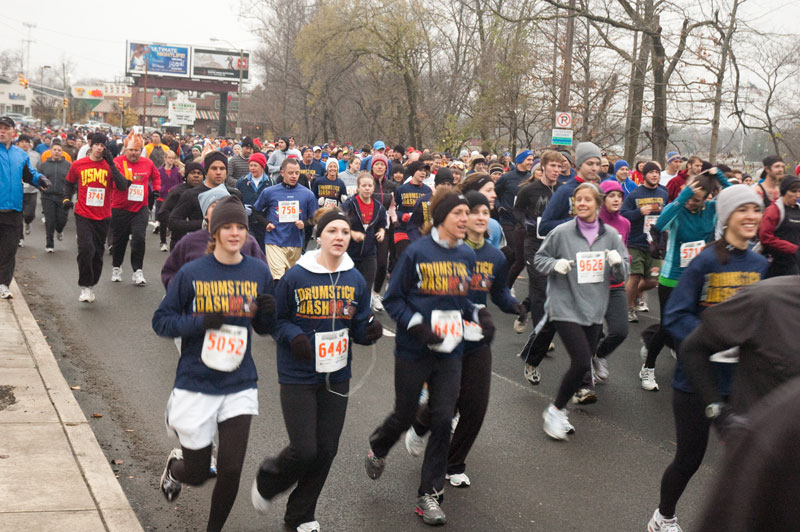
566, 72
239, 108
64, 79
28, 42
144, 121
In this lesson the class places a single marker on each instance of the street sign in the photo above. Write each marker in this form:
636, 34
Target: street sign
182, 113
238, 131
562, 137
564, 120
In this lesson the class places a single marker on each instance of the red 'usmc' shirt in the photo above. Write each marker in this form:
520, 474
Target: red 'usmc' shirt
92, 178
140, 174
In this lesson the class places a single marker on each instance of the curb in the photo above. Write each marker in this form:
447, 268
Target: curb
111, 502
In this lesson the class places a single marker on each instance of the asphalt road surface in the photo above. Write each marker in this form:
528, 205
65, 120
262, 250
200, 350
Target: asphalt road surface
605, 478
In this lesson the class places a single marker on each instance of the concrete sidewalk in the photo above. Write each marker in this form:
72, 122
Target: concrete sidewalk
53, 474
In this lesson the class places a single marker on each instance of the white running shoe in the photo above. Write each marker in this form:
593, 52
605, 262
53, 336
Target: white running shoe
21, 243
49, 250
520, 324
116, 275
532, 374
170, 487
648, 376
415, 444
555, 422
311, 526
164, 247
458, 480
91, 294
600, 366
84, 297
138, 278
5, 293
259, 502
641, 304
377, 304
659, 523
513, 293
59, 236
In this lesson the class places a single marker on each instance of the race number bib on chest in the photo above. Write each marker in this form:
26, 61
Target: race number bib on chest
649, 221
224, 348
95, 197
449, 325
690, 250
288, 211
591, 266
330, 350
136, 193
329, 202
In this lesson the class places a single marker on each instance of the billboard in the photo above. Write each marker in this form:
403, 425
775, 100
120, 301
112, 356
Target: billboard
210, 63
160, 59
116, 90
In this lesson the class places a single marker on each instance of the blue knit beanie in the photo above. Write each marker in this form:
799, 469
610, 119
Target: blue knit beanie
619, 164
521, 156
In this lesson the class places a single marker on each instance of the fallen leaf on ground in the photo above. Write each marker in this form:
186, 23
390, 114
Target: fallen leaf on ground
97, 415
74, 387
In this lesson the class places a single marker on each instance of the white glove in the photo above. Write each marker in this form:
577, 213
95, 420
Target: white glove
613, 257
321, 202
563, 266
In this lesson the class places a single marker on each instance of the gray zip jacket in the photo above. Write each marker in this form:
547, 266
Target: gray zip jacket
567, 300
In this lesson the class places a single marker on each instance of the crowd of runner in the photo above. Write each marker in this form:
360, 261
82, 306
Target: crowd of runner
298, 242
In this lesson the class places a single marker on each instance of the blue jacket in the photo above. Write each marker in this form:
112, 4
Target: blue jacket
15, 167
506, 188
285, 234
630, 209
559, 209
304, 302
367, 247
248, 189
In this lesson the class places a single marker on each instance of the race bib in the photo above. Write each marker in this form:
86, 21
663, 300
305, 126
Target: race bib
288, 211
449, 325
224, 348
690, 250
136, 193
649, 221
95, 197
330, 350
329, 202
472, 331
591, 266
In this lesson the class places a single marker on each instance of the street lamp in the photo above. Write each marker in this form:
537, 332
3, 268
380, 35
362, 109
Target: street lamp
241, 68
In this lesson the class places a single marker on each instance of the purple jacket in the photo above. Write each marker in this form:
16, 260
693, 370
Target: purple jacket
195, 245
169, 180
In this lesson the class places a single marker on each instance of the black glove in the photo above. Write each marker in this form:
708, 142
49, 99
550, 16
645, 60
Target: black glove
107, 157
67, 204
374, 330
301, 347
424, 335
486, 323
728, 424
44, 183
509, 254
520, 310
265, 303
156, 194
213, 320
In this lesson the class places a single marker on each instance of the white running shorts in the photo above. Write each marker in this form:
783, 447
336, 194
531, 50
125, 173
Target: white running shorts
192, 417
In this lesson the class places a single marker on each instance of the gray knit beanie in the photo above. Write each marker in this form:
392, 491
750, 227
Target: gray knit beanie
731, 199
585, 151
212, 196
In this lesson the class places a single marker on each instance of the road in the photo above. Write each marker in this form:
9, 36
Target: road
605, 478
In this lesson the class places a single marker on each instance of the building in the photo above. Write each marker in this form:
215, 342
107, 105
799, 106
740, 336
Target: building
14, 98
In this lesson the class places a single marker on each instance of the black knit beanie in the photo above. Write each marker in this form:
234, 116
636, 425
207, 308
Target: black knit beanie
475, 198
228, 210
450, 201
215, 156
194, 166
328, 217
649, 167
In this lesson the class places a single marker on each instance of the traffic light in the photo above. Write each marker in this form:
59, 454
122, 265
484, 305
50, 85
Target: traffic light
25, 85
121, 103
66, 103
21, 80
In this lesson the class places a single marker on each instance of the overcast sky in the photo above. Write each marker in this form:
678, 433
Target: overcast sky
94, 37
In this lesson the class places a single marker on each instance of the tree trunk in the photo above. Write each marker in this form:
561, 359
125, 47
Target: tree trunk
566, 72
660, 134
411, 94
634, 121
723, 63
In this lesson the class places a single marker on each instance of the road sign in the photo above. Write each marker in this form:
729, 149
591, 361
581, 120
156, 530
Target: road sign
562, 137
182, 113
238, 131
564, 120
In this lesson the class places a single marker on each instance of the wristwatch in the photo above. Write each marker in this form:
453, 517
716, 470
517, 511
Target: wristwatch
713, 410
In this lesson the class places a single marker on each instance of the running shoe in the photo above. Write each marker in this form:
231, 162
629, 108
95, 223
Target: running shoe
458, 480
212, 468
555, 422
520, 324
49, 250
91, 294
60, 236
512, 292
374, 465
551, 347
155, 225
415, 444
377, 304
584, 396
600, 366
568, 426
259, 502
5, 293
648, 376
27, 229
138, 278
659, 523
116, 275
21, 243
632, 317
311, 526
428, 508
164, 247
84, 297
532, 374
170, 487
641, 304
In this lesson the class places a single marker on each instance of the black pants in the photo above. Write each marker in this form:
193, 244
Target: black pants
257, 229
193, 469
382, 258
399, 247
163, 228
516, 240
537, 282
55, 217
314, 418
691, 435
91, 245
473, 400
124, 224
367, 267
443, 376
616, 322
656, 336
10, 229
580, 342
538, 343
28, 210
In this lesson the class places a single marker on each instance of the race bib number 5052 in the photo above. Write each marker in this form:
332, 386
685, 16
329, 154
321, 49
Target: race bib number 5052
224, 348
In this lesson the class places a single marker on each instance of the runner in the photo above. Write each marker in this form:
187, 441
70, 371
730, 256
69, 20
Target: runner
769, 187
384, 192
89, 177
251, 186
288, 208
171, 177
129, 212
349, 175
712, 277
780, 230
239, 165
323, 306
30, 193
642, 207
55, 169
621, 174
577, 301
427, 297
507, 189
211, 304
194, 174
481, 182
368, 220
421, 214
329, 189
476, 372
275, 160
406, 197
